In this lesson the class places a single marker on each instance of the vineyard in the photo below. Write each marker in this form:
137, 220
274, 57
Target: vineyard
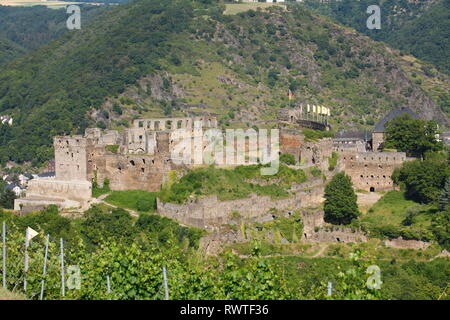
125, 260
110, 255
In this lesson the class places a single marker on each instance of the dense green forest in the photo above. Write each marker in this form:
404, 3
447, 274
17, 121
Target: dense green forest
419, 28
23, 29
191, 43
9, 50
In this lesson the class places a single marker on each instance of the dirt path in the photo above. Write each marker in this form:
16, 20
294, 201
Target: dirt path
322, 249
368, 199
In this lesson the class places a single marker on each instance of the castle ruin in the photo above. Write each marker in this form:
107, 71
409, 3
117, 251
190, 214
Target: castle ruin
140, 158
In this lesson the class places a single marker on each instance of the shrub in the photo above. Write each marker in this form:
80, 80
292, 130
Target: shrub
287, 158
316, 172
332, 161
114, 148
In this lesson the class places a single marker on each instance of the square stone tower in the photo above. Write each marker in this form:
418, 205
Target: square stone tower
70, 158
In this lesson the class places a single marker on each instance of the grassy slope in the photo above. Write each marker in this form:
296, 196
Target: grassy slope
130, 198
392, 209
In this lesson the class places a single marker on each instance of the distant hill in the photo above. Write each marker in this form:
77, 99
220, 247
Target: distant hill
417, 27
9, 50
27, 28
171, 57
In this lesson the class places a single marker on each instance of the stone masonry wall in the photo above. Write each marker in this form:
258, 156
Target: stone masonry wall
210, 212
372, 171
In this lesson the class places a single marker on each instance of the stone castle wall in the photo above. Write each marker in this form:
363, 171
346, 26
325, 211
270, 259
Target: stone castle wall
291, 142
210, 212
349, 146
126, 172
377, 140
372, 171
317, 153
74, 190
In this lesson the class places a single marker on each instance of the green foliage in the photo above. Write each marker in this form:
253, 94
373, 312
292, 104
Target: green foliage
165, 229
287, 158
133, 257
413, 136
96, 191
114, 148
394, 216
101, 124
27, 28
138, 200
354, 285
316, 172
99, 67
423, 180
441, 228
290, 228
340, 200
9, 50
7, 196
103, 224
332, 161
231, 184
418, 28
117, 109
256, 281
47, 221
314, 135
444, 197
148, 38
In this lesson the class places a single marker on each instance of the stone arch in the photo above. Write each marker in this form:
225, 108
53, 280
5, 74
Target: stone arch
372, 189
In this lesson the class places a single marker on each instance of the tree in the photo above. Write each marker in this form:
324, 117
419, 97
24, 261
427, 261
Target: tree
413, 136
340, 200
444, 198
100, 224
7, 199
423, 180
7, 196
441, 228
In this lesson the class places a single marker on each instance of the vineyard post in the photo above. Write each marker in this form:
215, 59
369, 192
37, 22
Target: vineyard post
45, 268
166, 288
4, 254
25, 263
108, 284
63, 289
